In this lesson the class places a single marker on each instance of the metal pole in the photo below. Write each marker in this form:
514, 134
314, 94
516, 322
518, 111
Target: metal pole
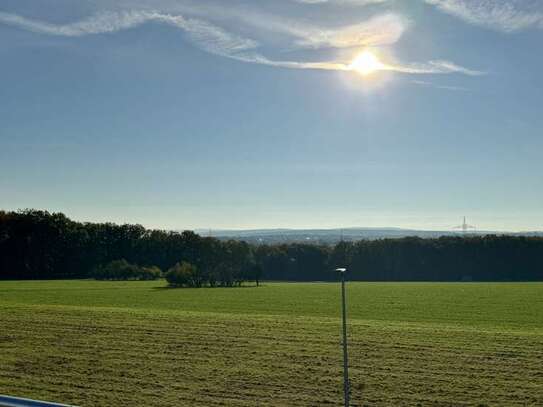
345, 357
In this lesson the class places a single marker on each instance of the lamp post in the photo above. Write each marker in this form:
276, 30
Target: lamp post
342, 272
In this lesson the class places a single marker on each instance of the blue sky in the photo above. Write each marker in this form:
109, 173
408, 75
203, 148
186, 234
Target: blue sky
248, 114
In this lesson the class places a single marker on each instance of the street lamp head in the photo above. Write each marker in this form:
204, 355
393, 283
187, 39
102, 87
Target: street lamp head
341, 270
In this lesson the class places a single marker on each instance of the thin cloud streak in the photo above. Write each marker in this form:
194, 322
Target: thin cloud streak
212, 39
445, 87
434, 67
261, 60
440, 67
104, 23
502, 15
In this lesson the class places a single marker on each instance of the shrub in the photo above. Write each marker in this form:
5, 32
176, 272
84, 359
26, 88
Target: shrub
183, 275
150, 273
123, 270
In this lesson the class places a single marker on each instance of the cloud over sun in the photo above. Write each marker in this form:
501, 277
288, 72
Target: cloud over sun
205, 27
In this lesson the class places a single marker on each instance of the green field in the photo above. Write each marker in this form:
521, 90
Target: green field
141, 344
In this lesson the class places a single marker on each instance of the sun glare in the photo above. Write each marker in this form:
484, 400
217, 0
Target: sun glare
366, 63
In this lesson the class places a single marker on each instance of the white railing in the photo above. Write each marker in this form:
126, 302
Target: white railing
6, 401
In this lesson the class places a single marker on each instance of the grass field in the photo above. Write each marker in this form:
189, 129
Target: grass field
141, 344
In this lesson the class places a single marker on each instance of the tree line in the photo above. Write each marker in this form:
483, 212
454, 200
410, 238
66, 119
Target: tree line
37, 244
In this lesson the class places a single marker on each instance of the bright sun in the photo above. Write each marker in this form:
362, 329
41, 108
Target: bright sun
366, 63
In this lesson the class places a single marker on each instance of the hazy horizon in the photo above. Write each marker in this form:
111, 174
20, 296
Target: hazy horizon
432, 224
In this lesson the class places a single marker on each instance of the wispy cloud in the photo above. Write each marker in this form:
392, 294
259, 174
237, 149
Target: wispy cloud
444, 87
107, 22
218, 41
502, 15
379, 30
434, 67
208, 36
255, 58
385, 29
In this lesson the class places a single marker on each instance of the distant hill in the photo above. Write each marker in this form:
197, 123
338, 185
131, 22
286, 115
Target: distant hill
331, 236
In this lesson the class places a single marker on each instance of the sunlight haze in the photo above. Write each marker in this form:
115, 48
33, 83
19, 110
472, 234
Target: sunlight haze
242, 114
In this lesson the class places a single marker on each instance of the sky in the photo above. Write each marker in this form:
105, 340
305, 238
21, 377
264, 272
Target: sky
243, 114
